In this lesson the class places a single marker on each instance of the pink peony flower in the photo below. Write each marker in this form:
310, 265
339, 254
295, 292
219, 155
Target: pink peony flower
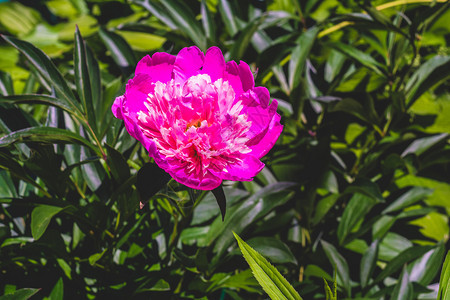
201, 119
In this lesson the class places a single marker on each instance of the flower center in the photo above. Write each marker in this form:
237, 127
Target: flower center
198, 123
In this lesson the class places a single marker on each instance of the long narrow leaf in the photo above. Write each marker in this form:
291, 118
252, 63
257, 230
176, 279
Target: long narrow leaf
38, 99
208, 22
48, 135
360, 56
157, 10
45, 68
341, 265
404, 257
185, 19
429, 74
299, 55
244, 38
273, 283
228, 14
121, 52
444, 282
368, 262
83, 78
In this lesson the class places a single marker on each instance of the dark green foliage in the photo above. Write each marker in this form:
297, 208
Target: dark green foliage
358, 183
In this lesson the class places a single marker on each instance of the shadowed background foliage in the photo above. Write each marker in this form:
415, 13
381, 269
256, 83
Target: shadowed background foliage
358, 183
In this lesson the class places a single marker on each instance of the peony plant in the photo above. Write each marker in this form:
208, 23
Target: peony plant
200, 118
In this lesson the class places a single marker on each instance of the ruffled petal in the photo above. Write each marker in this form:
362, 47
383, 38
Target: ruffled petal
259, 115
263, 142
214, 64
187, 63
159, 67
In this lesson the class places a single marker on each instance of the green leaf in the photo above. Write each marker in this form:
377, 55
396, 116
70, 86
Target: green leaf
46, 135
82, 78
329, 294
65, 267
119, 50
221, 200
240, 216
95, 257
119, 167
358, 206
22, 294
421, 145
323, 206
338, 262
426, 76
444, 281
404, 257
273, 283
316, 271
392, 245
46, 69
185, 20
150, 180
368, 263
39, 99
273, 249
6, 84
229, 16
41, 217
141, 41
58, 291
208, 21
424, 269
407, 199
403, 290
360, 56
365, 187
243, 40
299, 55
158, 11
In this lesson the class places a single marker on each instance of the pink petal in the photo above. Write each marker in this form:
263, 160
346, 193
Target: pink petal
262, 143
187, 63
207, 182
263, 95
259, 115
246, 76
159, 67
244, 170
232, 75
117, 107
214, 64
136, 93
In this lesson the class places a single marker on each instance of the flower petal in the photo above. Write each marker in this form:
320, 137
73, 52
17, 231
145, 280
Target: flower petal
117, 107
232, 75
260, 115
263, 142
207, 182
159, 67
214, 64
187, 63
246, 76
245, 170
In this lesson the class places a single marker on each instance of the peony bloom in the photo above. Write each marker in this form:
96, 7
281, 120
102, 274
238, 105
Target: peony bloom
201, 119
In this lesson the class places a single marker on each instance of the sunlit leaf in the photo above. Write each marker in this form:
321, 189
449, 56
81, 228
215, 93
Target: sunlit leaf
273, 283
